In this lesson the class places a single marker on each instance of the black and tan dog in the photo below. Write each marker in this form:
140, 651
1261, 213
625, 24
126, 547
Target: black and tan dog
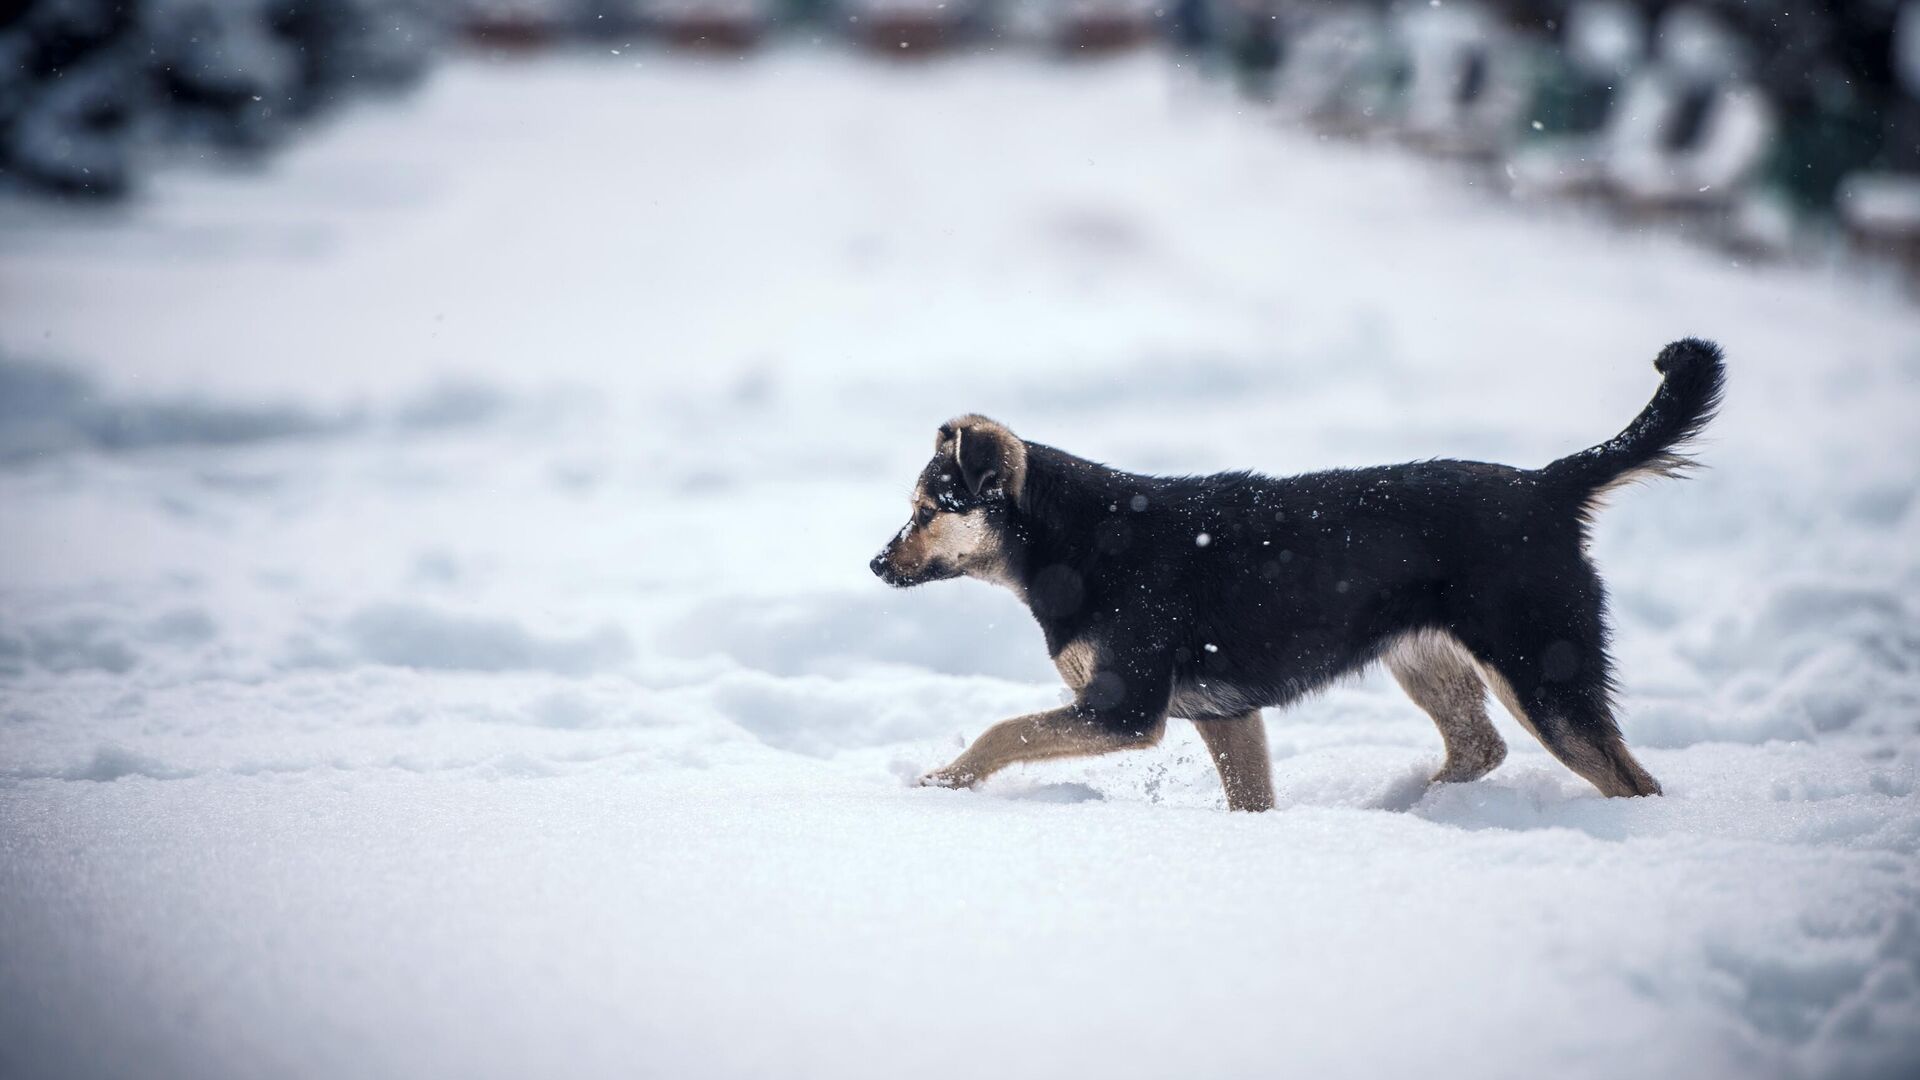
1213, 597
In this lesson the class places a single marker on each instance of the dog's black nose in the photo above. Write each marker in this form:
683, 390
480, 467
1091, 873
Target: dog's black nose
879, 565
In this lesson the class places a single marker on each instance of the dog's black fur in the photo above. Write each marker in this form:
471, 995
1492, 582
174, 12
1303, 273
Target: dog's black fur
1211, 596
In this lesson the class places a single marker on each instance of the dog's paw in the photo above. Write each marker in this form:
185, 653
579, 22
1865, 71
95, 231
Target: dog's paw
947, 778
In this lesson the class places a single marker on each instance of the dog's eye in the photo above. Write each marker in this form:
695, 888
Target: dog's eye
923, 516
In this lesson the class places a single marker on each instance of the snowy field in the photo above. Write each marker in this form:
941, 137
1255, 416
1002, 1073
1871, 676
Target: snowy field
436, 638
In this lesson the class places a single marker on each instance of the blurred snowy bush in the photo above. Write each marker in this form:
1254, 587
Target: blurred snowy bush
90, 89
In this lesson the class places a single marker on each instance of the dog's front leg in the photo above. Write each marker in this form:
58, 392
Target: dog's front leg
1238, 745
1122, 704
1056, 733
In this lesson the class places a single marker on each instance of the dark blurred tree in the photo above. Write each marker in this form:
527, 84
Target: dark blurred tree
69, 94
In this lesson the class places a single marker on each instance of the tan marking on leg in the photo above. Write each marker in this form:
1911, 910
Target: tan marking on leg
1510, 700
1238, 745
1043, 736
1075, 664
1635, 779
1441, 677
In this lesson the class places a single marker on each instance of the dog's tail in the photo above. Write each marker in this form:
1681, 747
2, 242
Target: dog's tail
1655, 443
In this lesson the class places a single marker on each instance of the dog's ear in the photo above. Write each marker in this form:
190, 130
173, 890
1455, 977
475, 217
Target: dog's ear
988, 456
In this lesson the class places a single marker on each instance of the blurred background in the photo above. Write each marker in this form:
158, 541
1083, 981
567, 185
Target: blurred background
1778, 129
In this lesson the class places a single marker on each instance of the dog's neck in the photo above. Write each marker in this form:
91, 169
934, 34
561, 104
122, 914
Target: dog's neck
1048, 527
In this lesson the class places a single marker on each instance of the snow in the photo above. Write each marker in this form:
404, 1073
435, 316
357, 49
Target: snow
436, 636
1606, 37
1881, 202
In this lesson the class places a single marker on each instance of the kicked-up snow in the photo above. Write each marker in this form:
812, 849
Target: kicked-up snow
436, 638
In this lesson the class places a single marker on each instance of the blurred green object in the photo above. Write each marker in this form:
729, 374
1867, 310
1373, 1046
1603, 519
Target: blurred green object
1817, 148
1253, 49
1567, 101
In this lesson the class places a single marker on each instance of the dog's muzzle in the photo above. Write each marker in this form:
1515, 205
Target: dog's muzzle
883, 570
883, 567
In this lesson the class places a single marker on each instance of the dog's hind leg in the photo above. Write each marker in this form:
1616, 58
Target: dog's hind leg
1238, 745
1440, 677
1576, 725
1547, 663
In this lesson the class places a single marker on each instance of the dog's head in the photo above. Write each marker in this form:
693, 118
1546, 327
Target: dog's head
962, 507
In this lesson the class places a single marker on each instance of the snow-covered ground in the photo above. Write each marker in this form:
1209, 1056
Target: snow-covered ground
436, 637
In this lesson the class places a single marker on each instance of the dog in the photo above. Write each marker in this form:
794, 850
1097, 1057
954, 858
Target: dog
1213, 597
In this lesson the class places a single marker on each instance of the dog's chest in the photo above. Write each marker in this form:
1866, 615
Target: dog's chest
1203, 697
1192, 696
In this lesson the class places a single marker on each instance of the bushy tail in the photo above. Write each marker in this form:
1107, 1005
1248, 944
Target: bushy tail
1655, 443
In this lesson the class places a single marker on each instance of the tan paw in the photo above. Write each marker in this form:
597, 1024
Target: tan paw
947, 778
